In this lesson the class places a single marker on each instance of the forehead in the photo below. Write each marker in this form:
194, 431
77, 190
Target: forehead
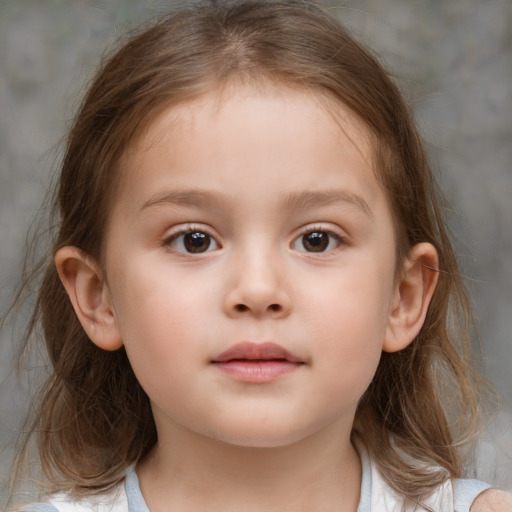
229, 98
241, 130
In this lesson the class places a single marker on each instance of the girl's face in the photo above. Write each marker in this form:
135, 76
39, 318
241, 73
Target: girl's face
250, 262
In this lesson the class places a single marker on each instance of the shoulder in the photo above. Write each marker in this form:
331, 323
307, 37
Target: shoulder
492, 500
37, 507
112, 501
458, 495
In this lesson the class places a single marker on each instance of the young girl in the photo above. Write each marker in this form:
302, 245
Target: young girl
252, 302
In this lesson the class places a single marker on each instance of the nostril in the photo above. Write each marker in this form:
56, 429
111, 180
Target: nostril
272, 307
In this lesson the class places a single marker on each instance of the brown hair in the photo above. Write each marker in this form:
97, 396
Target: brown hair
93, 418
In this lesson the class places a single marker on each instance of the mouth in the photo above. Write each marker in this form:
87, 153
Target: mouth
257, 362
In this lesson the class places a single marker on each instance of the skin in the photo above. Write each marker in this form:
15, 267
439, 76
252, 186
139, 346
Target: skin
493, 500
240, 167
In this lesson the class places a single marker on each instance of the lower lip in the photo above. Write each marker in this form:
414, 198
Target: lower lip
257, 371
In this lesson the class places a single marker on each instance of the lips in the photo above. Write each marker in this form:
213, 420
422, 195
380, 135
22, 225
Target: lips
256, 351
257, 362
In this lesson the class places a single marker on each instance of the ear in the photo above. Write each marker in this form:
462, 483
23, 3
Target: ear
88, 291
412, 297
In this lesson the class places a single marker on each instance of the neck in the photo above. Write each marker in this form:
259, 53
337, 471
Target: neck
192, 472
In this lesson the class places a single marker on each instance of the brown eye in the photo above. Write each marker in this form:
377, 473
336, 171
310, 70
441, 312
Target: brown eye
192, 242
196, 242
317, 241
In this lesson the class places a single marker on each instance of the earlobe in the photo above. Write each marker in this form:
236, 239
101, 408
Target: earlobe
413, 294
89, 295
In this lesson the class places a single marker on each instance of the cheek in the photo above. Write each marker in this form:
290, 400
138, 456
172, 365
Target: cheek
150, 293
350, 320
354, 303
156, 317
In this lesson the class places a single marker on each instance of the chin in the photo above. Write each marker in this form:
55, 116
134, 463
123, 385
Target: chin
272, 436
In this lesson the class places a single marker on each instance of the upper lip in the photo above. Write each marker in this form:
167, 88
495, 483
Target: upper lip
256, 351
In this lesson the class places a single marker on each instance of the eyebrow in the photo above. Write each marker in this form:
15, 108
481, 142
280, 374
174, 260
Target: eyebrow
311, 199
185, 198
294, 201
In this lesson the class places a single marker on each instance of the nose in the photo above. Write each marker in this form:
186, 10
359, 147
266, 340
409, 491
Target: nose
257, 288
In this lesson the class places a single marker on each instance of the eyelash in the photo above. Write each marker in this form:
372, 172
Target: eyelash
332, 237
317, 242
172, 240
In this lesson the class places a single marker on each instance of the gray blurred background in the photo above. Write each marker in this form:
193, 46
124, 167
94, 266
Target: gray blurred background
453, 59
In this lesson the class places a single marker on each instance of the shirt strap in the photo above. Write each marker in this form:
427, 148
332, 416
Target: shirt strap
465, 492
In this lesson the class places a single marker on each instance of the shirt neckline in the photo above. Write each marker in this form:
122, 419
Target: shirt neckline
137, 503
